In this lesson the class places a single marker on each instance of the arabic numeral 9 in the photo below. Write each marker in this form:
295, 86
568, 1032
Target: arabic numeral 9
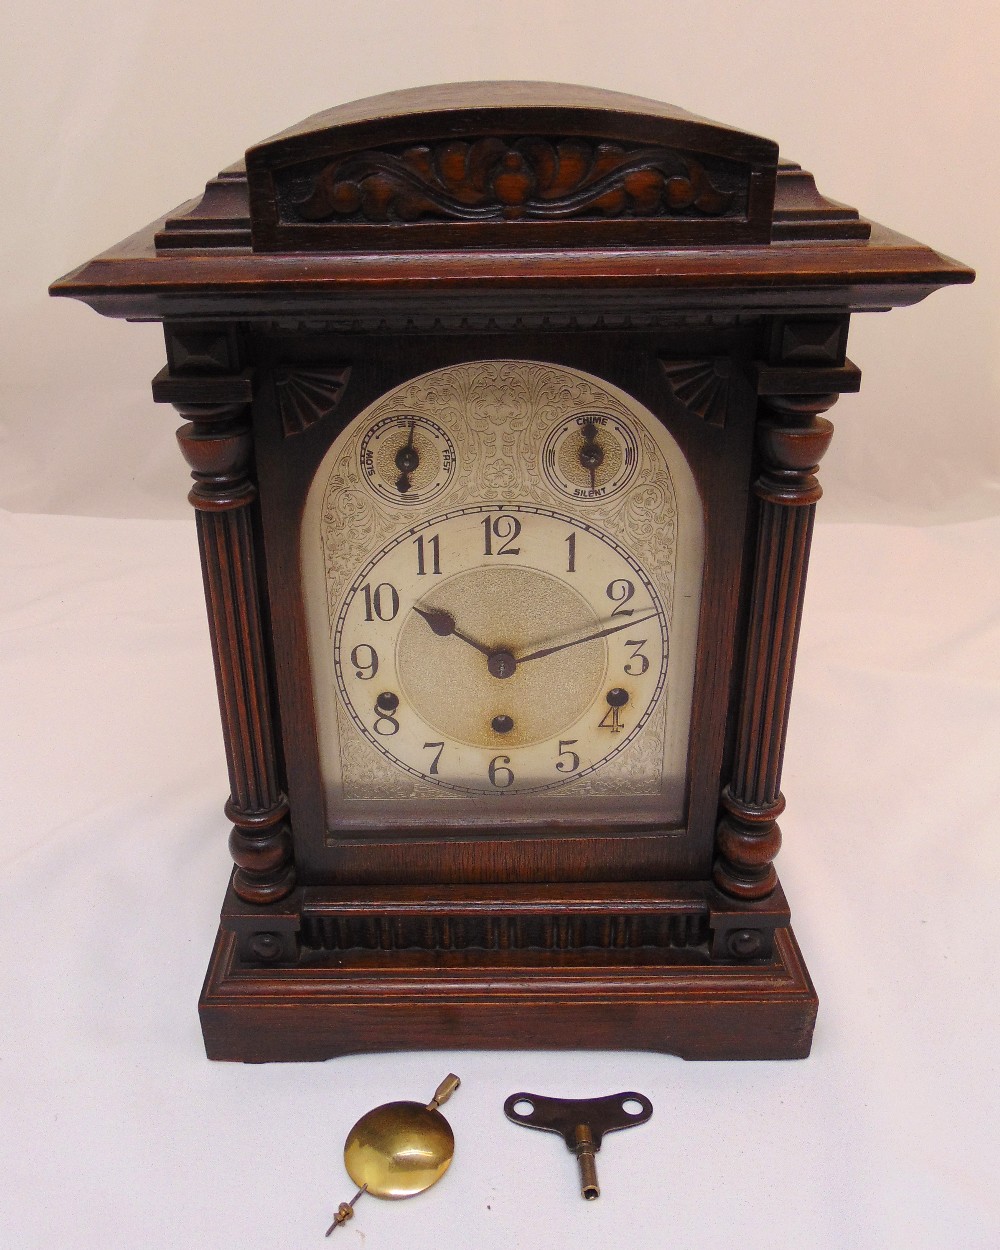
365, 661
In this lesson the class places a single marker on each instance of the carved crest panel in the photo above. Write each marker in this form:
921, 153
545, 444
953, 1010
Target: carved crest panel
490, 179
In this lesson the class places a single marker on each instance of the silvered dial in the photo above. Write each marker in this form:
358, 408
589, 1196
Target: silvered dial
501, 650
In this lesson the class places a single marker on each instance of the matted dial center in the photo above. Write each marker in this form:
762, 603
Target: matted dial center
508, 612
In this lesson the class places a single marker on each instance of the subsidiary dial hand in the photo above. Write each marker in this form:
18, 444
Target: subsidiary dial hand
443, 624
407, 461
576, 642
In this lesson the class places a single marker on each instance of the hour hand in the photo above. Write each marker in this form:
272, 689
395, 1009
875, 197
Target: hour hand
443, 624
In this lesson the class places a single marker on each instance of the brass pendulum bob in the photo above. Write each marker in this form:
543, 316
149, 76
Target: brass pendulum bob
399, 1149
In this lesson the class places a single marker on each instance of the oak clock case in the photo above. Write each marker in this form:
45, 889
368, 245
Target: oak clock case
504, 410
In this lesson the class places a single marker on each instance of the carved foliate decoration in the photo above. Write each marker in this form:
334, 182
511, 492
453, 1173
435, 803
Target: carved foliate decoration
306, 396
490, 179
701, 386
507, 169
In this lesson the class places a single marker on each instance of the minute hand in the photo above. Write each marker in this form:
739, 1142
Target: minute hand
576, 642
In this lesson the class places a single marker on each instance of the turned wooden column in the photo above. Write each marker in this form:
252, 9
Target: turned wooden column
805, 373
216, 442
792, 438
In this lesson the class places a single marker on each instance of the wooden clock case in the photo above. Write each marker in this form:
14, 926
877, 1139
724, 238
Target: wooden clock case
675, 258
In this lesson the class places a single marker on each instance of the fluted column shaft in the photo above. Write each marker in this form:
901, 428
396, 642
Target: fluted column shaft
217, 444
793, 439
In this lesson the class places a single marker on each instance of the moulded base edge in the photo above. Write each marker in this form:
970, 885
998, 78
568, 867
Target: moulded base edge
696, 1011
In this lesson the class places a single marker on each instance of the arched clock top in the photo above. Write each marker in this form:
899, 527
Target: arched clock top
588, 194
511, 165
508, 164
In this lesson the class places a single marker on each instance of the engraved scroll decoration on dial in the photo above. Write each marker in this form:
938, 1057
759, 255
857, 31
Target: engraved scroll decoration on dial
480, 431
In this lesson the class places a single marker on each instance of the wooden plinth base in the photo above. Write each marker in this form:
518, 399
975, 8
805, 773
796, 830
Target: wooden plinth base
502, 1000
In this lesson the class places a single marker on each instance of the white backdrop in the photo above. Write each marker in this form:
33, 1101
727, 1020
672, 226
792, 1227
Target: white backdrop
114, 1129
116, 112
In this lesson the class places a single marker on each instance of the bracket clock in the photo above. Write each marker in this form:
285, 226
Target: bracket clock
504, 405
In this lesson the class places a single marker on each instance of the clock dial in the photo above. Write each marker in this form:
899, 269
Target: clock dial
494, 556
501, 650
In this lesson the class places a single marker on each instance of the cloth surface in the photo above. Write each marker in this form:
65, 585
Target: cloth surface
118, 1132
115, 1131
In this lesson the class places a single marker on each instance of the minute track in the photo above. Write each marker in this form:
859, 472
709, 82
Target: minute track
558, 598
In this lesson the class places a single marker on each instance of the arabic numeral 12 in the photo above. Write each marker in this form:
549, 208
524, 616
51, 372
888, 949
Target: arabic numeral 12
506, 529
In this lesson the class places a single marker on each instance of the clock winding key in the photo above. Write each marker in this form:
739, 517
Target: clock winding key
581, 1122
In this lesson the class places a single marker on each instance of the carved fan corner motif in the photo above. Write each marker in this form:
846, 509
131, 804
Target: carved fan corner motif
306, 396
700, 386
